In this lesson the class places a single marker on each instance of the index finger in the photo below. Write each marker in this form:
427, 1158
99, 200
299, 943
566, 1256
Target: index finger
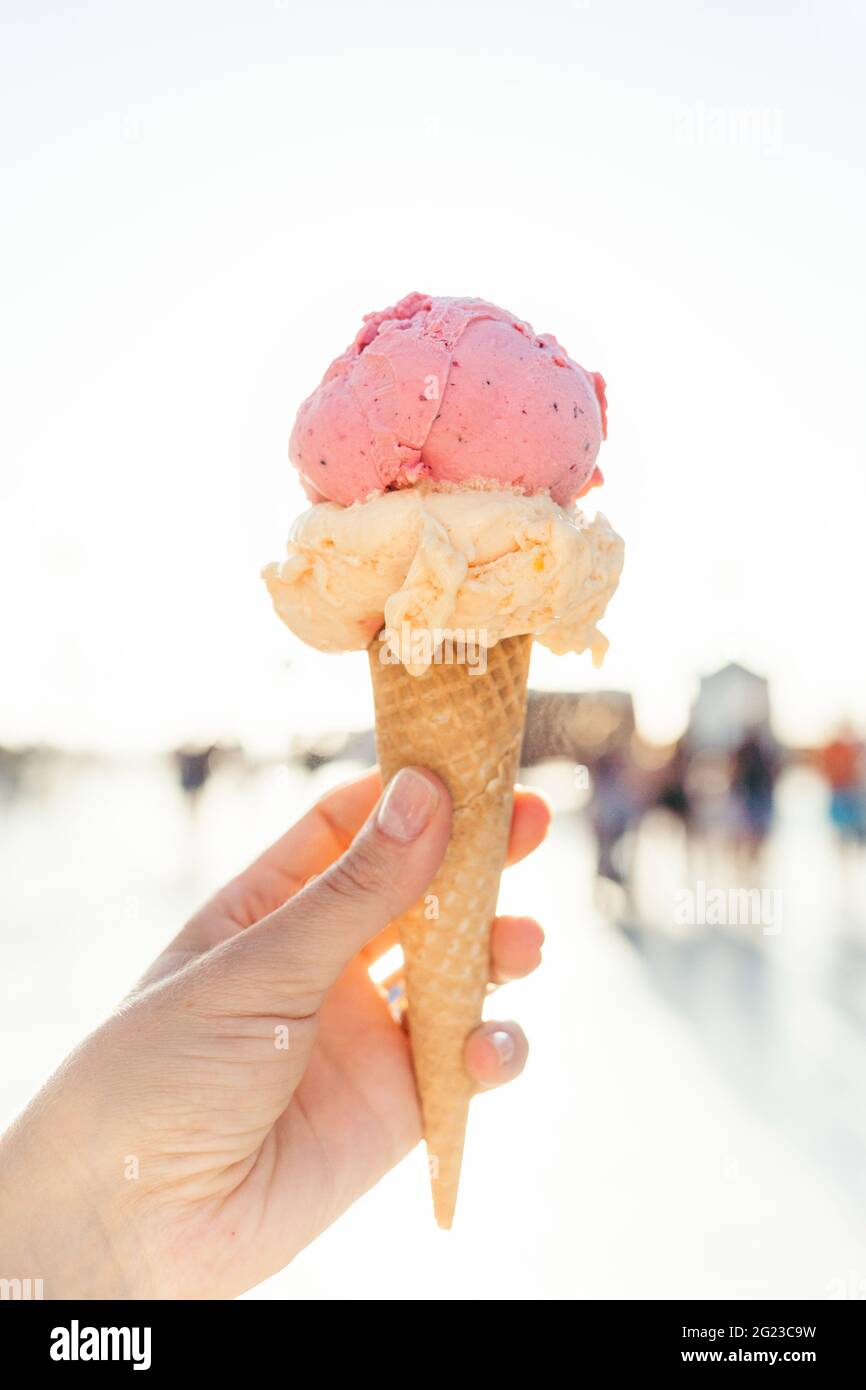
314, 842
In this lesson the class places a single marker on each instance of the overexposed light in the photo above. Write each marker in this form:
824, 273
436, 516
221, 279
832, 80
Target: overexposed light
387, 965
202, 206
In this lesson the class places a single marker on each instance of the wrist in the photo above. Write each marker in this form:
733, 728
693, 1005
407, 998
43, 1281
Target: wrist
60, 1222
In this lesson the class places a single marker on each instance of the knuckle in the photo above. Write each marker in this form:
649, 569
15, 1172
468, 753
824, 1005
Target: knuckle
360, 873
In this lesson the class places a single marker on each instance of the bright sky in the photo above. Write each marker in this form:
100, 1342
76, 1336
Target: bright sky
203, 198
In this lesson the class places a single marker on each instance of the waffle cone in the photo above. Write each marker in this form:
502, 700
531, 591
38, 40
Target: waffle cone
468, 729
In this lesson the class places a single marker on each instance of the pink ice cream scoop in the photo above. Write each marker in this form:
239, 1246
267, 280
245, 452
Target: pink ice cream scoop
454, 391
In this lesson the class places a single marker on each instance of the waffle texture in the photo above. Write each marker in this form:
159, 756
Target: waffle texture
468, 729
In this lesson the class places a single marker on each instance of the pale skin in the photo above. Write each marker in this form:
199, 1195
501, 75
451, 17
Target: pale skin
183, 1150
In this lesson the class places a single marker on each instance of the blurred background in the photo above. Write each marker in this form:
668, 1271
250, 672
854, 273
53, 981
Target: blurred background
201, 202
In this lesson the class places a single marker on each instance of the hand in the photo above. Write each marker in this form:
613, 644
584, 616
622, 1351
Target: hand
183, 1151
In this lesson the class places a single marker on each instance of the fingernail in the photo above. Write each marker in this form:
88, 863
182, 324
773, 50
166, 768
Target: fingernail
504, 1044
407, 806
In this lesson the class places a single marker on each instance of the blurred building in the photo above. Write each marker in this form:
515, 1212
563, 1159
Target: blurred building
582, 727
730, 704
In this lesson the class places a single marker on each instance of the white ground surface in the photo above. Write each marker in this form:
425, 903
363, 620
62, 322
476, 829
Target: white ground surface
693, 1118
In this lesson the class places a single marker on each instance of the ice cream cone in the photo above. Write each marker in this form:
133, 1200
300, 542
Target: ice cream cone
466, 725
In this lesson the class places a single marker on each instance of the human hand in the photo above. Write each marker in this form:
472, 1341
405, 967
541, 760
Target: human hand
254, 1084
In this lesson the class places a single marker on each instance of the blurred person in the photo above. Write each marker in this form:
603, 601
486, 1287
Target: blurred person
182, 1151
611, 813
673, 793
668, 790
754, 768
708, 788
10, 772
842, 764
194, 766
713, 812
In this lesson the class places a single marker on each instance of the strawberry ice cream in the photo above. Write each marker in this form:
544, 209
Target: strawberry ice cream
451, 391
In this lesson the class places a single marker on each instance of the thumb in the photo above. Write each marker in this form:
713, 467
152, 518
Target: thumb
296, 954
